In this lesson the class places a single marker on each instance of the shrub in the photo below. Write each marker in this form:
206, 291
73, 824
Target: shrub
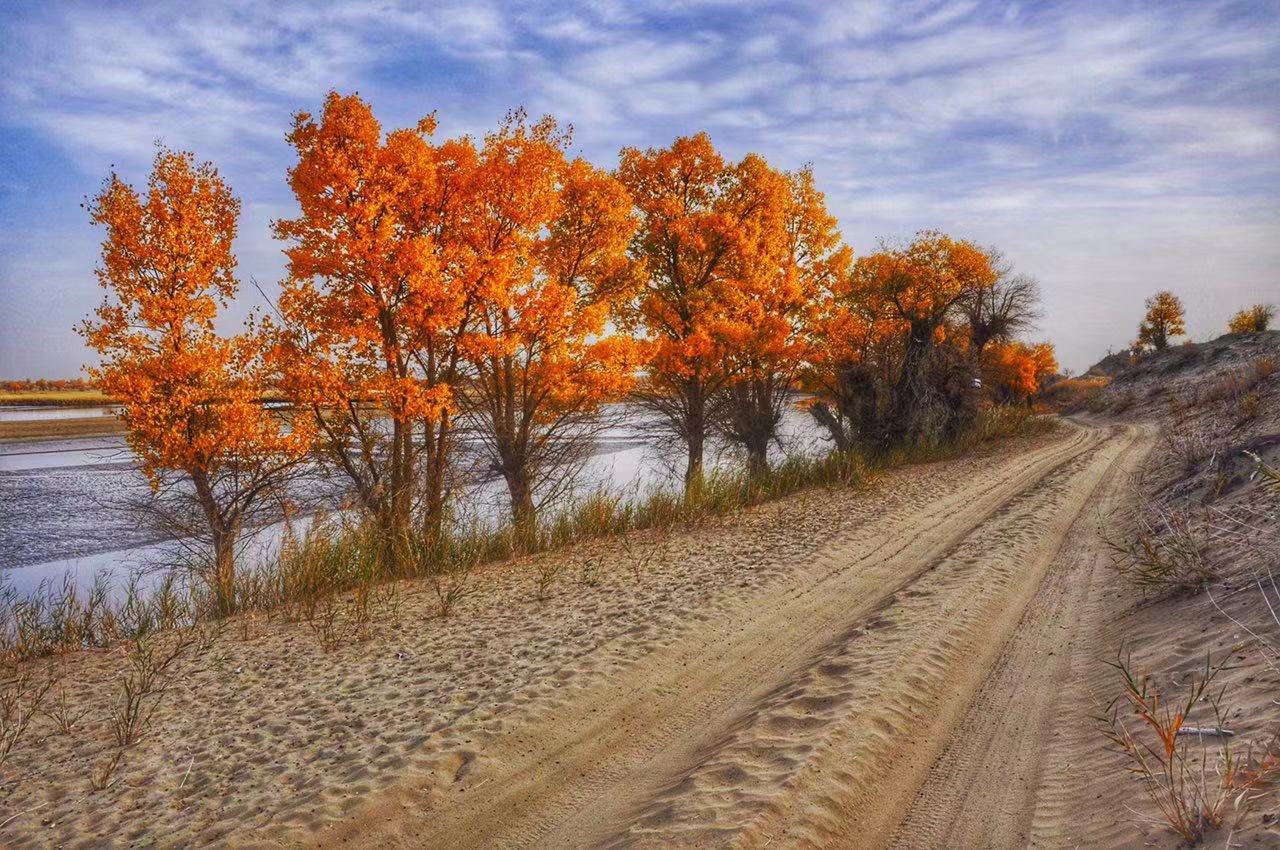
1252, 319
1167, 551
1192, 785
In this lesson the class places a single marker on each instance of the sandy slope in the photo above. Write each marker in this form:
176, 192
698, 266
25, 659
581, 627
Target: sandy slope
813, 713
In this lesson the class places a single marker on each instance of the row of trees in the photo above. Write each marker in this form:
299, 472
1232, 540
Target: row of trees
504, 286
27, 385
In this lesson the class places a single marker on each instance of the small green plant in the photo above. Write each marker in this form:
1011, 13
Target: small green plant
546, 571
589, 571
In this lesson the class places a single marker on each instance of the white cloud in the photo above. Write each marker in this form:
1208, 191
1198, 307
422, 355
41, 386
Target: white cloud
1105, 149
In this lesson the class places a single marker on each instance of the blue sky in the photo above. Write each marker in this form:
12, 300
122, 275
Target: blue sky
1109, 148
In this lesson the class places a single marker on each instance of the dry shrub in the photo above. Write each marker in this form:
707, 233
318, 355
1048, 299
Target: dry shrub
1074, 394
65, 714
1193, 785
1193, 442
1167, 551
152, 664
21, 696
1121, 401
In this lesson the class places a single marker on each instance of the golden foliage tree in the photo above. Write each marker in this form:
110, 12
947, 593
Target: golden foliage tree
371, 316
548, 239
788, 252
1253, 319
922, 285
191, 399
692, 207
1165, 318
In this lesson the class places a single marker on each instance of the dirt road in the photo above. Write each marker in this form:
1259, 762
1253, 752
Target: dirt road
897, 689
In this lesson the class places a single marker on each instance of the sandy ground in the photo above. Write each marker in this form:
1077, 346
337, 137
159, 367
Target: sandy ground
53, 429
912, 665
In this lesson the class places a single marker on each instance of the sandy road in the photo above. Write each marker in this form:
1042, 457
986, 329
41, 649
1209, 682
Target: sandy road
867, 699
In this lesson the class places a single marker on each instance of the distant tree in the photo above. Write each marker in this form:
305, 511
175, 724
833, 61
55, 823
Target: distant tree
191, 399
1165, 318
1253, 319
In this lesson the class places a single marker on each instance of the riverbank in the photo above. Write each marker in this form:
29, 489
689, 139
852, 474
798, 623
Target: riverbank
54, 398
60, 429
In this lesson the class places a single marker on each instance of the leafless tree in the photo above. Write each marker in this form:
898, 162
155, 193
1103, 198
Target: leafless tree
999, 313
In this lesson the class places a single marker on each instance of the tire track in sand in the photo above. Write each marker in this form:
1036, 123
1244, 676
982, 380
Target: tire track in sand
916, 605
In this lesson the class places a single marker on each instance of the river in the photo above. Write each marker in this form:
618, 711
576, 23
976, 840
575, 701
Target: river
65, 504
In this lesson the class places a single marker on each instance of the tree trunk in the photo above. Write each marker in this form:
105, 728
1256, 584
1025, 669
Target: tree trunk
826, 417
696, 432
906, 394
437, 439
224, 572
524, 519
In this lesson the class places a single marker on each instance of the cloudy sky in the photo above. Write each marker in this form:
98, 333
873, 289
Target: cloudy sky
1109, 148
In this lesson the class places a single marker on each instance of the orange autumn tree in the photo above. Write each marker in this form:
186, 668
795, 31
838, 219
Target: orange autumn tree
1165, 318
852, 354
548, 241
787, 252
371, 321
190, 398
1016, 370
923, 285
689, 217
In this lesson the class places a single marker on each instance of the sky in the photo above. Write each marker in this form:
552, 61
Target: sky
1110, 149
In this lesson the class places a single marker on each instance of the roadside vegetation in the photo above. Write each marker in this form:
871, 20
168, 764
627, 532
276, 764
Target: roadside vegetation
1199, 545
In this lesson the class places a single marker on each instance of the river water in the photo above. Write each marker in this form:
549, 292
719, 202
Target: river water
65, 505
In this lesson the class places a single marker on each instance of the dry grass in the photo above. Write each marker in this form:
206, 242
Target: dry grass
1074, 394
339, 576
1166, 552
1194, 785
21, 696
88, 426
54, 398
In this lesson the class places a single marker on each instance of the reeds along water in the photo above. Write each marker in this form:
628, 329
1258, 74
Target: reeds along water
313, 561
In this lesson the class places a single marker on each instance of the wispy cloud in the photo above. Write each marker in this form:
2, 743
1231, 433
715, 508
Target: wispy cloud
1075, 135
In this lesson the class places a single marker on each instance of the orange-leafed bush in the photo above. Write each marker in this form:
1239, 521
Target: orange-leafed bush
1253, 319
1017, 370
